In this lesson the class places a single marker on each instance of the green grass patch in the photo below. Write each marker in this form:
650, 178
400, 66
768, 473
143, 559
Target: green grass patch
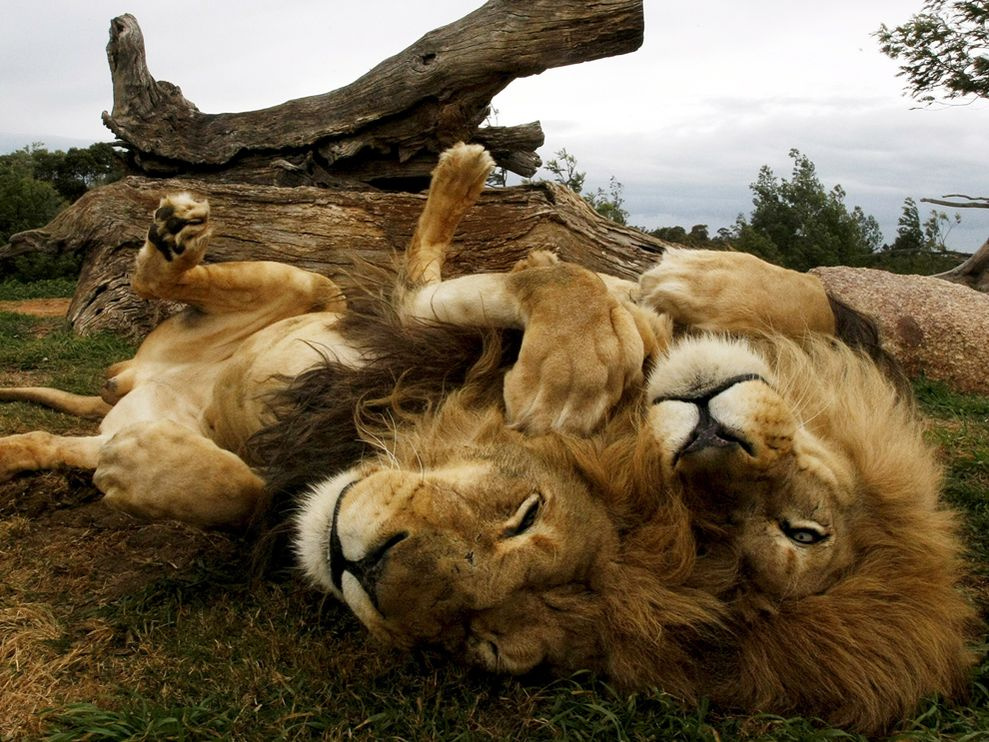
48, 349
47, 288
959, 424
146, 722
36, 351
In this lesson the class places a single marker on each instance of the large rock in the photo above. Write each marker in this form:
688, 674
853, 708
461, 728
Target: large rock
931, 326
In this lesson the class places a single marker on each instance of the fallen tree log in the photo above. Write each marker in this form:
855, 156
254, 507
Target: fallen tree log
384, 128
327, 231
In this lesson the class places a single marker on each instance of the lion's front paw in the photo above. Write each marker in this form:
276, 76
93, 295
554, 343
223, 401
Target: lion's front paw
180, 228
582, 349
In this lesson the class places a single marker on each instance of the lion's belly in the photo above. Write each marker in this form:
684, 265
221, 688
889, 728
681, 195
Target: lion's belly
261, 366
163, 392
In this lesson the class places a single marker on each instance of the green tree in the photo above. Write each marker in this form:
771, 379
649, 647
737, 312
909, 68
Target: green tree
928, 236
25, 201
800, 224
74, 172
609, 203
909, 232
564, 170
936, 230
942, 50
698, 236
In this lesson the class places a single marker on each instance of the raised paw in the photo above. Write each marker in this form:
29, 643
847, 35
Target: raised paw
180, 224
457, 182
462, 171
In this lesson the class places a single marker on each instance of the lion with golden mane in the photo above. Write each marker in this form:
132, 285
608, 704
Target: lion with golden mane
687, 482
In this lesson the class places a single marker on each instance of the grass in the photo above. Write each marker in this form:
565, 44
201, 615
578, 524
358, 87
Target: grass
48, 288
112, 629
36, 351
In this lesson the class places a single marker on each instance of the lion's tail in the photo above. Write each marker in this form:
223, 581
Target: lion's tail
73, 404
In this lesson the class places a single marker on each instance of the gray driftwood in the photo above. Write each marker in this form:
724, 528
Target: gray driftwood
388, 125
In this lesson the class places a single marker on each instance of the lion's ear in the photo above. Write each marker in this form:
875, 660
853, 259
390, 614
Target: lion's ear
860, 331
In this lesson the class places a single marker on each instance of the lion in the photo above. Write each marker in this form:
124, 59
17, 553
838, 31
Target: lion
686, 482
177, 417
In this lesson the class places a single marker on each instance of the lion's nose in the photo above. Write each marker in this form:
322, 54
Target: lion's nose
711, 434
368, 568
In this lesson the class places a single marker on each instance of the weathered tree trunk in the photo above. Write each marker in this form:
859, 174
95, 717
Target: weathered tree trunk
973, 273
327, 231
384, 128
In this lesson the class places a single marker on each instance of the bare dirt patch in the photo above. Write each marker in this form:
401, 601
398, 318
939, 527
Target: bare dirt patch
37, 307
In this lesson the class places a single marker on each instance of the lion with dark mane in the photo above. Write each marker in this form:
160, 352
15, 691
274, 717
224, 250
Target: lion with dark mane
688, 482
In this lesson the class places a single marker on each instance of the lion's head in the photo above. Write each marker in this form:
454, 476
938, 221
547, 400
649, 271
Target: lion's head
763, 527
815, 503
467, 535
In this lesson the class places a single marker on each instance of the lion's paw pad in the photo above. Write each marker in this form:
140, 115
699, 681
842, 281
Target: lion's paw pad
179, 219
464, 167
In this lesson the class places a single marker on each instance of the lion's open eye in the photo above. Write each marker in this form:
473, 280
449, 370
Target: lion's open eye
806, 533
524, 517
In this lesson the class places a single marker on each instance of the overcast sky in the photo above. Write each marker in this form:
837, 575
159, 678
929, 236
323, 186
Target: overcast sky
718, 89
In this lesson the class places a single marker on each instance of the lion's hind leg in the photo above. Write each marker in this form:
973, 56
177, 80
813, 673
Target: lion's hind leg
90, 407
161, 469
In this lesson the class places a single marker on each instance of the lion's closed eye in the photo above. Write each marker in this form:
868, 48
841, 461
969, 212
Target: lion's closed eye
525, 517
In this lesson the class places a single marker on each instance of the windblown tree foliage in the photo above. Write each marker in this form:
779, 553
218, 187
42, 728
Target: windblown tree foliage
929, 235
608, 202
943, 51
800, 224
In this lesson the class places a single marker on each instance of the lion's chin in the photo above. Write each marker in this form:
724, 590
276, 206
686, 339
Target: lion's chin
313, 526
